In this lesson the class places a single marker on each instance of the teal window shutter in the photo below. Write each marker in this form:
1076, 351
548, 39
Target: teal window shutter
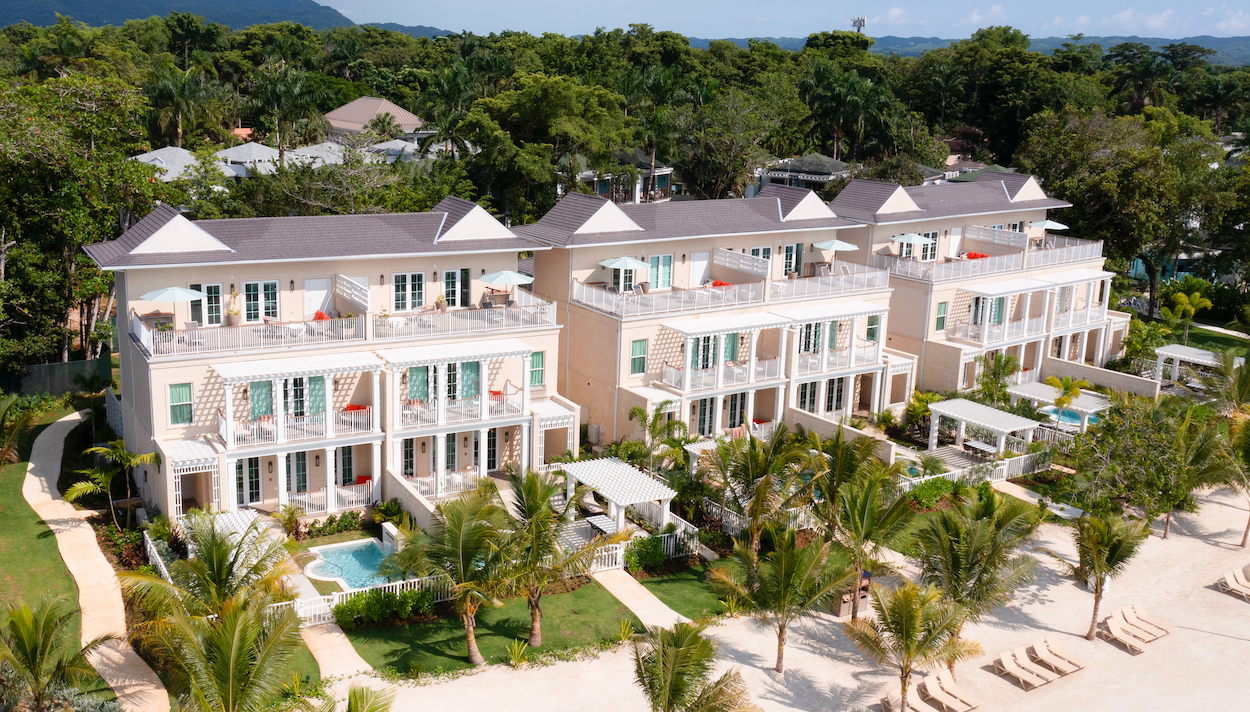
731, 347
261, 395
833, 335
419, 383
316, 395
470, 379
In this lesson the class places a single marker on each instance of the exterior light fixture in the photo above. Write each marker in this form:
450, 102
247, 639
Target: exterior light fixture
292, 285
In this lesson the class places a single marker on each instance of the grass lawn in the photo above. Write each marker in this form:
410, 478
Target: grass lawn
687, 592
304, 665
305, 544
570, 620
1202, 339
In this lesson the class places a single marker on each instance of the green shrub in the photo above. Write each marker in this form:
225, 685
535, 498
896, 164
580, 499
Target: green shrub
929, 492
379, 607
644, 554
392, 510
333, 524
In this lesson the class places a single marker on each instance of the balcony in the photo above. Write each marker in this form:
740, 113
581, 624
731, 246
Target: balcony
249, 337
270, 429
670, 302
528, 312
948, 269
845, 278
417, 414
732, 374
1058, 250
1079, 317
986, 334
1044, 251
828, 360
447, 484
341, 497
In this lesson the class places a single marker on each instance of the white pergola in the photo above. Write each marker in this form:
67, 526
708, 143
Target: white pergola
1178, 354
696, 449
619, 483
966, 412
1087, 404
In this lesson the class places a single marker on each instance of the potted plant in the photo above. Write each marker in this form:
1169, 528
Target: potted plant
233, 316
440, 304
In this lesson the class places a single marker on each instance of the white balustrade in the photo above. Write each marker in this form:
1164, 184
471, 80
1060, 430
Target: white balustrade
449, 483
742, 262
354, 496
113, 411
273, 335
310, 502
465, 321
668, 302
847, 279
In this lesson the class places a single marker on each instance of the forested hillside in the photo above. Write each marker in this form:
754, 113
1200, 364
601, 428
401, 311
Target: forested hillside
1125, 133
231, 13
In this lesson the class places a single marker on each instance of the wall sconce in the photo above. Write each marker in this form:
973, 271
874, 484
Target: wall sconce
292, 285
232, 287
271, 467
507, 435
245, 390
382, 280
483, 270
316, 461
466, 441
435, 273
422, 447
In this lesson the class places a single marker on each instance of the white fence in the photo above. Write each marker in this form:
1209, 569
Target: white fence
1061, 440
609, 556
273, 335
995, 236
447, 484
354, 496
742, 262
992, 471
113, 411
946, 271
671, 302
1062, 250
310, 502
733, 523
465, 321
154, 556
314, 610
847, 279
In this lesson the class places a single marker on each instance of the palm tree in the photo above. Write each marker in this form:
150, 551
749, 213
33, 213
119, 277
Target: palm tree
839, 461
971, 552
385, 125
793, 582
674, 669
125, 461
362, 699
656, 427
1067, 389
465, 547
1184, 308
1144, 80
534, 544
1229, 387
946, 80
995, 373
867, 524
1142, 339
1105, 545
1205, 459
36, 644
286, 94
98, 482
13, 423
1239, 479
182, 98
757, 476
915, 628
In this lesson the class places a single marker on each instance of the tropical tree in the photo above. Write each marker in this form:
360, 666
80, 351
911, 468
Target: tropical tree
674, 669
1067, 389
868, 522
1239, 479
1104, 545
385, 126
995, 372
656, 427
917, 410
1229, 387
839, 461
971, 552
38, 646
915, 628
1184, 308
182, 98
286, 95
1205, 460
125, 461
362, 699
793, 582
98, 482
14, 421
1143, 338
465, 547
757, 476
538, 556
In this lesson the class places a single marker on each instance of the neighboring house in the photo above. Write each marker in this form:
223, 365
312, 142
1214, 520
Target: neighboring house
318, 369
354, 116
248, 159
974, 272
172, 161
654, 183
812, 171
730, 309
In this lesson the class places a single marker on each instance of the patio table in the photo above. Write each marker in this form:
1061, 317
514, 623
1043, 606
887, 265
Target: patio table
982, 447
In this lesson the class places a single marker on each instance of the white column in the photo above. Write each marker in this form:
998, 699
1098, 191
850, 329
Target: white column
1047, 318
1080, 356
822, 343
781, 352
1066, 355
283, 462
687, 365
570, 489
1100, 347
332, 479
1084, 422
781, 405
822, 395
850, 353
878, 388
750, 415
961, 433
620, 517
231, 504
1028, 302
525, 383
848, 396
717, 421
440, 460
1038, 354
1158, 367
525, 447
481, 450
752, 341
328, 414
665, 513
394, 403
376, 470
439, 396
483, 391
933, 431
718, 363
1002, 443
228, 411
375, 410
1089, 301
279, 409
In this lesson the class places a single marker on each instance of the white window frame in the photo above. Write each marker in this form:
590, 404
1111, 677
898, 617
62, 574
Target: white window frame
929, 250
169, 392
540, 369
453, 296
205, 304
656, 272
808, 394
763, 252
939, 322
792, 252
411, 295
873, 330
623, 280
634, 369
260, 300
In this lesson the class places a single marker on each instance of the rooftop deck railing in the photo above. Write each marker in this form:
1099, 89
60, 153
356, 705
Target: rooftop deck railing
671, 302
845, 278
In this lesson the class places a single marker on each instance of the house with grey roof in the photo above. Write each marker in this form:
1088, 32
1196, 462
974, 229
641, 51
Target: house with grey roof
649, 181
978, 270
333, 361
811, 171
728, 314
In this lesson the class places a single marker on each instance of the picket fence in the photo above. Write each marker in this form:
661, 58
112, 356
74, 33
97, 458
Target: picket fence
733, 523
991, 471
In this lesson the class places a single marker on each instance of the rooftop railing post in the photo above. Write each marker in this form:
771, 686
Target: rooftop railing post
228, 409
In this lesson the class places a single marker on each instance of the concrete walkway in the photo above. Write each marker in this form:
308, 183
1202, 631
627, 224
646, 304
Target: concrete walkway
333, 651
1014, 490
649, 609
1222, 330
138, 689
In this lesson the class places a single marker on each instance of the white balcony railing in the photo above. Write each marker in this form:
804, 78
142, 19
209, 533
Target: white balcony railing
846, 279
294, 428
1058, 250
732, 374
354, 496
446, 484
415, 414
742, 262
670, 302
273, 335
946, 271
994, 236
766, 370
866, 354
505, 404
310, 502
462, 409
464, 321
1078, 317
995, 333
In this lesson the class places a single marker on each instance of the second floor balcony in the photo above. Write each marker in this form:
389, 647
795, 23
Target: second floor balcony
865, 353
284, 428
1004, 252
415, 413
729, 373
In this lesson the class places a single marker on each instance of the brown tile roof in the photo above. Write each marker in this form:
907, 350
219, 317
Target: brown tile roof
356, 114
862, 199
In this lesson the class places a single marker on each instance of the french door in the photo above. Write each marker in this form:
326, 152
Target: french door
247, 480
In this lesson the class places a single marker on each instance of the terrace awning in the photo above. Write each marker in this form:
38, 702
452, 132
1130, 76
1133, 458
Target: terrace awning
736, 323
183, 457
831, 311
1074, 276
454, 353
982, 416
1087, 403
552, 415
1007, 287
270, 369
617, 481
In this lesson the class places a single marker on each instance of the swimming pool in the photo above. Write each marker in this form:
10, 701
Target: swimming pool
1069, 417
352, 564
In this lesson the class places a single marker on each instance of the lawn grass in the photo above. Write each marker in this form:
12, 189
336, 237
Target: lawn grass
303, 545
688, 592
570, 620
1211, 341
304, 665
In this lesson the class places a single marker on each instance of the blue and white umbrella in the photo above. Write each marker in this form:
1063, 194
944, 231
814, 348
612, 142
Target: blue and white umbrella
506, 278
174, 295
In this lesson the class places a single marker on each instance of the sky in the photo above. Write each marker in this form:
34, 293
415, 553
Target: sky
712, 19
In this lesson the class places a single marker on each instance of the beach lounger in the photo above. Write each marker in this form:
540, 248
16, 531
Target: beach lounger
1141, 613
1142, 634
1040, 653
1135, 620
1063, 652
1240, 578
1229, 584
1026, 663
893, 703
947, 682
932, 692
1111, 631
1005, 664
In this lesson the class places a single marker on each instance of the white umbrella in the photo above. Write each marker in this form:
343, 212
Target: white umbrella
506, 278
1049, 225
172, 294
624, 263
912, 238
835, 245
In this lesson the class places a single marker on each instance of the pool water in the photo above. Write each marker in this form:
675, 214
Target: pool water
356, 563
1068, 417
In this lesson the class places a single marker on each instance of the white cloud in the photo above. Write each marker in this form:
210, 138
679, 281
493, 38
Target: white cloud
977, 18
1234, 21
1071, 26
1132, 21
1208, 12
893, 17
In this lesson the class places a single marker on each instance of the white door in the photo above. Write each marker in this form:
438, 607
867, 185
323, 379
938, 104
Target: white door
699, 268
957, 239
317, 294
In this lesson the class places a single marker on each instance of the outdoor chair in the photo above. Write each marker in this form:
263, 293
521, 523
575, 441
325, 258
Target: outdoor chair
193, 334
1005, 664
947, 681
892, 703
931, 691
1062, 652
1142, 634
1135, 620
1042, 655
1240, 578
1111, 631
1026, 663
638, 291
1229, 584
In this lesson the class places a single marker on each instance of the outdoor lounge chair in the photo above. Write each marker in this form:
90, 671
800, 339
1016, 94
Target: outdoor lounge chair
1240, 578
1140, 611
1142, 634
1229, 584
892, 703
1138, 622
947, 681
1042, 655
1005, 664
1063, 652
1026, 663
931, 691
1111, 631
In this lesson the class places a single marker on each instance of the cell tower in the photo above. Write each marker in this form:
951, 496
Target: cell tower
858, 23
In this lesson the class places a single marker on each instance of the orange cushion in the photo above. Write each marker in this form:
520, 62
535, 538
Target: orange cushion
351, 408
718, 283
321, 316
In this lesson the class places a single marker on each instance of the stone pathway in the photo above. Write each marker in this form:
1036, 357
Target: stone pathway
333, 651
138, 689
649, 609
1028, 495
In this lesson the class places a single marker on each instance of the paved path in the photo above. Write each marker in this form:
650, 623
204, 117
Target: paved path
649, 609
1222, 330
138, 689
333, 651
1028, 495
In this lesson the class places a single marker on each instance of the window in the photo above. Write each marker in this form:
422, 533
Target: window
978, 310
180, 404
409, 291
297, 461
940, 324
603, 186
703, 410
999, 226
449, 446
207, 311
623, 280
997, 307
260, 300
737, 409
661, 271
762, 252
1015, 227
794, 258
638, 357
538, 368
453, 380
874, 327
346, 475
807, 396
835, 395
410, 457
704, 355
809, 338
492, 450
456, 287
661, 182
928, 251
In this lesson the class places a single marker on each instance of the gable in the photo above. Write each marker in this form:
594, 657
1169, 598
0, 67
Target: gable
898, 202
477, 224
608, 218
179, 235
1031, 190
811, 207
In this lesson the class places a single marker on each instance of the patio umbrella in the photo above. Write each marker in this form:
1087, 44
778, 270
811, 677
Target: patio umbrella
506, 278
1049, 225
172, 294
912, 238
835, 245
624, 263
